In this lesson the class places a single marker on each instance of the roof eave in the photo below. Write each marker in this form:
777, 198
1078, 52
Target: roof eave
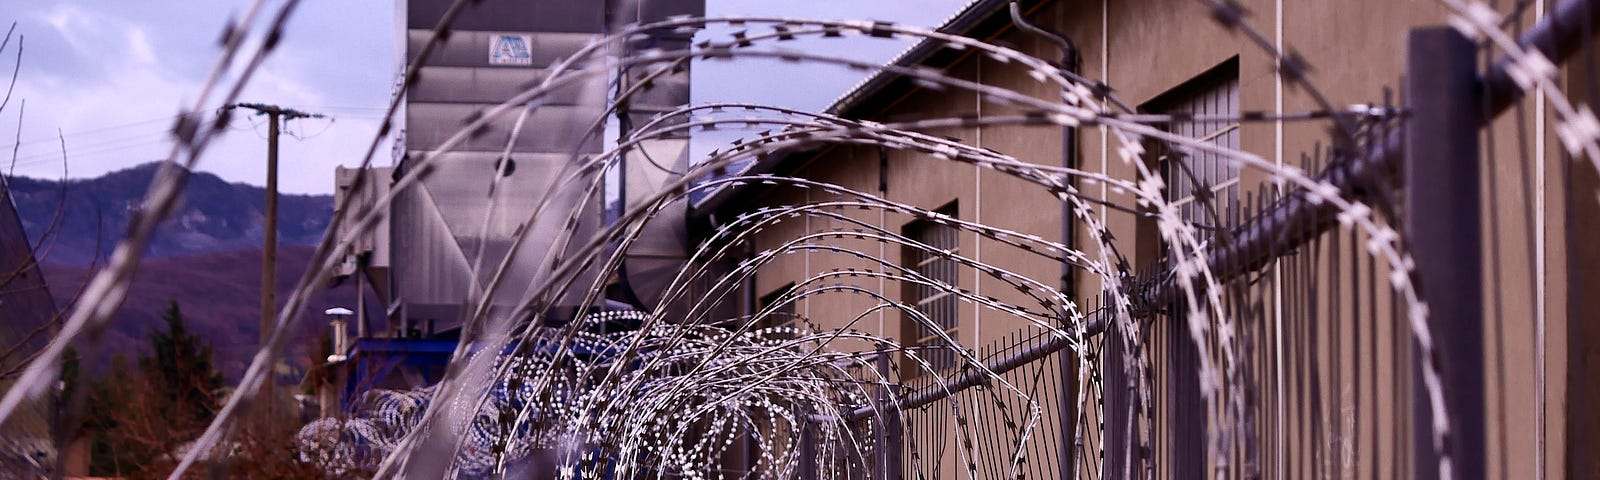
961, 23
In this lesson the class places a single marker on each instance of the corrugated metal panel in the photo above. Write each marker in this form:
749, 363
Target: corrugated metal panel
481, 85
435, 245
471, 49
375, 186
549, 129
657, 10
664, 94
462, 189
429, 270
536, 16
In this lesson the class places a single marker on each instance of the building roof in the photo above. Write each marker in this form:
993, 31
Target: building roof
977, 18
960, 22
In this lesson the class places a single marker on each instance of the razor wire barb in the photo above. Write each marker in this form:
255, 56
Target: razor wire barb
673, 395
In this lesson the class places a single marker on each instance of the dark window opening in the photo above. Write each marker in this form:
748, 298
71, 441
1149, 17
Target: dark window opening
1206, 109
782, 315
934, 300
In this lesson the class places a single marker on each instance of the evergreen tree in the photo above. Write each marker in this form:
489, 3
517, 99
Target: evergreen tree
113, 404
140, 418
179, 369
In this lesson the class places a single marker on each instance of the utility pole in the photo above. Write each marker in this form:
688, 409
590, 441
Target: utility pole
269, 250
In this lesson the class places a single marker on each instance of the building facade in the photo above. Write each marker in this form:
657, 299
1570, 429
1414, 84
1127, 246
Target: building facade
1329, 387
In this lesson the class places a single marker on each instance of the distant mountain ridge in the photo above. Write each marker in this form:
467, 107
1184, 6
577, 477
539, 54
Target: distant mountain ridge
213, 215
219, 294
207, 256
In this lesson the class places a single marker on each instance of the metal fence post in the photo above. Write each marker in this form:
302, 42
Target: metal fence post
1442, 223
889, 428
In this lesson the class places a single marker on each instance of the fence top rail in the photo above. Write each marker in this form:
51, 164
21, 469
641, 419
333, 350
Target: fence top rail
1294, 219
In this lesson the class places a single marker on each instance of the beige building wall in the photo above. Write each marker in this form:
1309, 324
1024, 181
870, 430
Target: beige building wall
1351, 352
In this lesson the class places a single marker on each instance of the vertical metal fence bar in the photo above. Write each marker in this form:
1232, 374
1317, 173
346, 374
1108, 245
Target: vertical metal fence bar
888, 425
808, 450
1116, 404
1442, 221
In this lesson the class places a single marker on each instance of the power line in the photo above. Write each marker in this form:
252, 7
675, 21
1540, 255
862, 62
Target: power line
95, 150
352, 111
53, 139
301, 135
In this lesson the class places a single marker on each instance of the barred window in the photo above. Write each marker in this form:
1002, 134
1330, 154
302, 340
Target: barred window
1198, 104
1207, 109
938, 304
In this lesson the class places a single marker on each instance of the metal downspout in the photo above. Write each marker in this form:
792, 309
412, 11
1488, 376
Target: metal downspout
1069, 233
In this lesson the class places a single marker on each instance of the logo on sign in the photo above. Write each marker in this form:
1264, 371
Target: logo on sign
510, 50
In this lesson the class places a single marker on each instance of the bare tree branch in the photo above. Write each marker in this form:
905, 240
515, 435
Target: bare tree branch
14, 68
21, 108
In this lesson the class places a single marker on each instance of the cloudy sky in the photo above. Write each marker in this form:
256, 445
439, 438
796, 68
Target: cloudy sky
109, 76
